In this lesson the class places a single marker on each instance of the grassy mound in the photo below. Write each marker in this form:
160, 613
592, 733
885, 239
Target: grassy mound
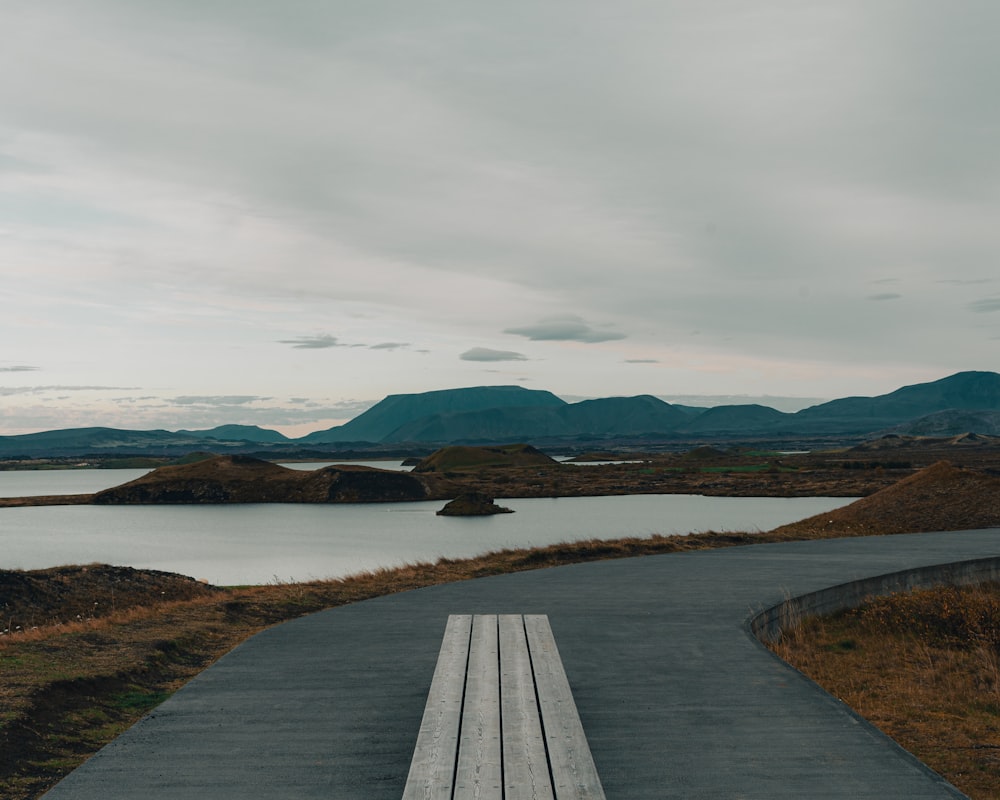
461, 457
243, 479
941, 497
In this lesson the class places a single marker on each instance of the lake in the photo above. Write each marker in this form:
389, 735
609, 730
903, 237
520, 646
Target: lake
35, 482
262, 543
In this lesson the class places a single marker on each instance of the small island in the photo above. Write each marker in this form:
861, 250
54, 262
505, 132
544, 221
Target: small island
473, 504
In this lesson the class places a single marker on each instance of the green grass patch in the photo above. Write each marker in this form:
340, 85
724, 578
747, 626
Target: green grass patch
138, 699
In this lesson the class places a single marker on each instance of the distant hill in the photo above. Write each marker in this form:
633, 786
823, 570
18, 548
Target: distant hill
380, 422
83, 441
952, 423
970, 391
623, 416
899, 443
967, 402
736, 420
239, 433
458, 457
612, 416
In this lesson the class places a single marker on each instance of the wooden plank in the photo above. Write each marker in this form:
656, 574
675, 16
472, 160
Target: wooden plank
479, 772
432, 769
574, 774
525, 762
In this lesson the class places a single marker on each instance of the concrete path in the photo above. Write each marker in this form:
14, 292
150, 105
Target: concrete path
677, 700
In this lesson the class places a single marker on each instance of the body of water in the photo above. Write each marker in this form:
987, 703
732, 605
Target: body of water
261, 543
37, 482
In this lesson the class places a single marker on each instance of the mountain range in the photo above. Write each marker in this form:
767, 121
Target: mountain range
961, 403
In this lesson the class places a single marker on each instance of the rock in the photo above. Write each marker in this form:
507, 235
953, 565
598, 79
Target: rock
473, 504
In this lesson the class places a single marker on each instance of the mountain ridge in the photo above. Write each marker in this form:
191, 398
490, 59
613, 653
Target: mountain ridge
492, 414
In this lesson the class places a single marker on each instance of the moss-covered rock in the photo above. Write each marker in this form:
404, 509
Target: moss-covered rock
473, 504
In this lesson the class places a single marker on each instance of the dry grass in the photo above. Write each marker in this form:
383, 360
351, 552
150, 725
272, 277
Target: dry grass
942, 497
924, 667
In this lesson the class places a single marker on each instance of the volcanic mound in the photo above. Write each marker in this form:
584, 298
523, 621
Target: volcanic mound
941, 497
242, 479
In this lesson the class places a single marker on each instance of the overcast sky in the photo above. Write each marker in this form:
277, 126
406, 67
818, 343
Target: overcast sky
278, 213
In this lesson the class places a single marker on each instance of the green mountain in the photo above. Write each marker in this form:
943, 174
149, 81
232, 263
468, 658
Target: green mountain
968, 391
85, 441
239, 433
952, 423
736, 420
611, 416
379, 422
964, 402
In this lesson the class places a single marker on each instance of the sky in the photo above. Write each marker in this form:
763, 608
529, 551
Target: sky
236, 211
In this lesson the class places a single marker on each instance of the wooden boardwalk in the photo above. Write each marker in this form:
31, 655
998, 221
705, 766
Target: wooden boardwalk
500, 721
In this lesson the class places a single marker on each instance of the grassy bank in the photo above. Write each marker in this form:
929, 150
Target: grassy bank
924, 667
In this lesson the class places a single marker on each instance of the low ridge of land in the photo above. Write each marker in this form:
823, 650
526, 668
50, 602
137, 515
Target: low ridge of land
942, 497
244, 479
463, 457
512, 471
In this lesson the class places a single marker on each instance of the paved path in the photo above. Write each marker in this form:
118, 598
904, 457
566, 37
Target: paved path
676, 698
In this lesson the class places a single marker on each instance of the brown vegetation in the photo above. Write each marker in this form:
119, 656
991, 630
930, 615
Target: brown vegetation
461, 457
942, 497
924, 667
243, 479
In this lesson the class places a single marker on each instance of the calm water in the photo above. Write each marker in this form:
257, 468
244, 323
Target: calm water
235, 544
32, 483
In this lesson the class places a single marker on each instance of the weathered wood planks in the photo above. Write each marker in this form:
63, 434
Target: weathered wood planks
500, 722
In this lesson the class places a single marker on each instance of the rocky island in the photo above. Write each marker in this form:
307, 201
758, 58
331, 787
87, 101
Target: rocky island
243, 479
473, 504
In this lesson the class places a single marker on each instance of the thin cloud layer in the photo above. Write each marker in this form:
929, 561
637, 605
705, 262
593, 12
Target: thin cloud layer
225, 400
565, 329
883, 296
321, 342
985, 306
486, 354
185, 185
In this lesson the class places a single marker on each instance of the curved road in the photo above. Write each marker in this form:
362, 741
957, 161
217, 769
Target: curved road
678, 701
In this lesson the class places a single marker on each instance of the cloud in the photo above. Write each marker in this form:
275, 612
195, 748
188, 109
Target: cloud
564, 329
885, 296
985, 306
389, 345
217, 400
485, 354
319, 342
642, 361
7, 391
18, 369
